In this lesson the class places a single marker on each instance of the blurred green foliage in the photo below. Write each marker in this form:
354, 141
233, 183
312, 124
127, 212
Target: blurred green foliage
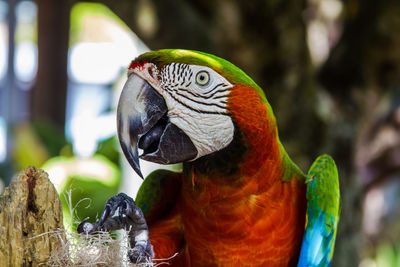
51, 136
28, 149
108, 148
387, 255
84, 185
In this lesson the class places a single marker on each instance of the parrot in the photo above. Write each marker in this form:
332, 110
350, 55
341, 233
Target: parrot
239, 200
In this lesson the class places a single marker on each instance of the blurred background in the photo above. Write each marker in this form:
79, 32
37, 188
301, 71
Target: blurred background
330, 69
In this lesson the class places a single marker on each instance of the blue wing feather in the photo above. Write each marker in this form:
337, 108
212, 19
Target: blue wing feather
323, 208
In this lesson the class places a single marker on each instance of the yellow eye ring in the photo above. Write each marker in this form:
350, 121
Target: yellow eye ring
202, 78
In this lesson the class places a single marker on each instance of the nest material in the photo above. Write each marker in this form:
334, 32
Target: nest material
90, 250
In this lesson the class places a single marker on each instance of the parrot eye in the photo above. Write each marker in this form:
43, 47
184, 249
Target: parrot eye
202, 78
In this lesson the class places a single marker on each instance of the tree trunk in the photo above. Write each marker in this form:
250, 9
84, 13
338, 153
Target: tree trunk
48, 96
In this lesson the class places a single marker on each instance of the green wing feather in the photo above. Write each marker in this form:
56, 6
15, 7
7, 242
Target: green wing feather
157, 194
323, 209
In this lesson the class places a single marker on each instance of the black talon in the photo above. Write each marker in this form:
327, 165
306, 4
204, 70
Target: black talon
105, 214
81, 227
139, 255
120, 212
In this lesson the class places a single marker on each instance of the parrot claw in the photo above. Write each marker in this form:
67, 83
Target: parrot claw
121, 212
85, 227
140, 254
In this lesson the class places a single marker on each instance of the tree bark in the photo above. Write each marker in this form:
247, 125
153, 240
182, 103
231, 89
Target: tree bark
29, 207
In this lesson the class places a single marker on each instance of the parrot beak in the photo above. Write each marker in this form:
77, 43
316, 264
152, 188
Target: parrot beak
143, 123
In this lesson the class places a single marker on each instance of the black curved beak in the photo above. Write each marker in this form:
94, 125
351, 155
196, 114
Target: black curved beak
143, 123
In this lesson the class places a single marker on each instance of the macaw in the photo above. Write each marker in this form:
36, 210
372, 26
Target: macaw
240, 200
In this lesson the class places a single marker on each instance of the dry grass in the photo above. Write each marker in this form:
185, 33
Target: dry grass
89, 250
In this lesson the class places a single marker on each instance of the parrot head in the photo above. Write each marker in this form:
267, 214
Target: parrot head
181, 105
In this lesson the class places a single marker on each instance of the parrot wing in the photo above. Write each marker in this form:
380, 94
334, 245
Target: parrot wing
323, 209
158, 194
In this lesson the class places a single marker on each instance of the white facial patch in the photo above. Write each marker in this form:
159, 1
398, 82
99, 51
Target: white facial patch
196, 97
208, 132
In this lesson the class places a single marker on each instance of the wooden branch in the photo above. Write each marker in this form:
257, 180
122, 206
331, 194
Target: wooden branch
29, 207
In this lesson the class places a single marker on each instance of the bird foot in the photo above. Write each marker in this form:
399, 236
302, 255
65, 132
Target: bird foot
121, 212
